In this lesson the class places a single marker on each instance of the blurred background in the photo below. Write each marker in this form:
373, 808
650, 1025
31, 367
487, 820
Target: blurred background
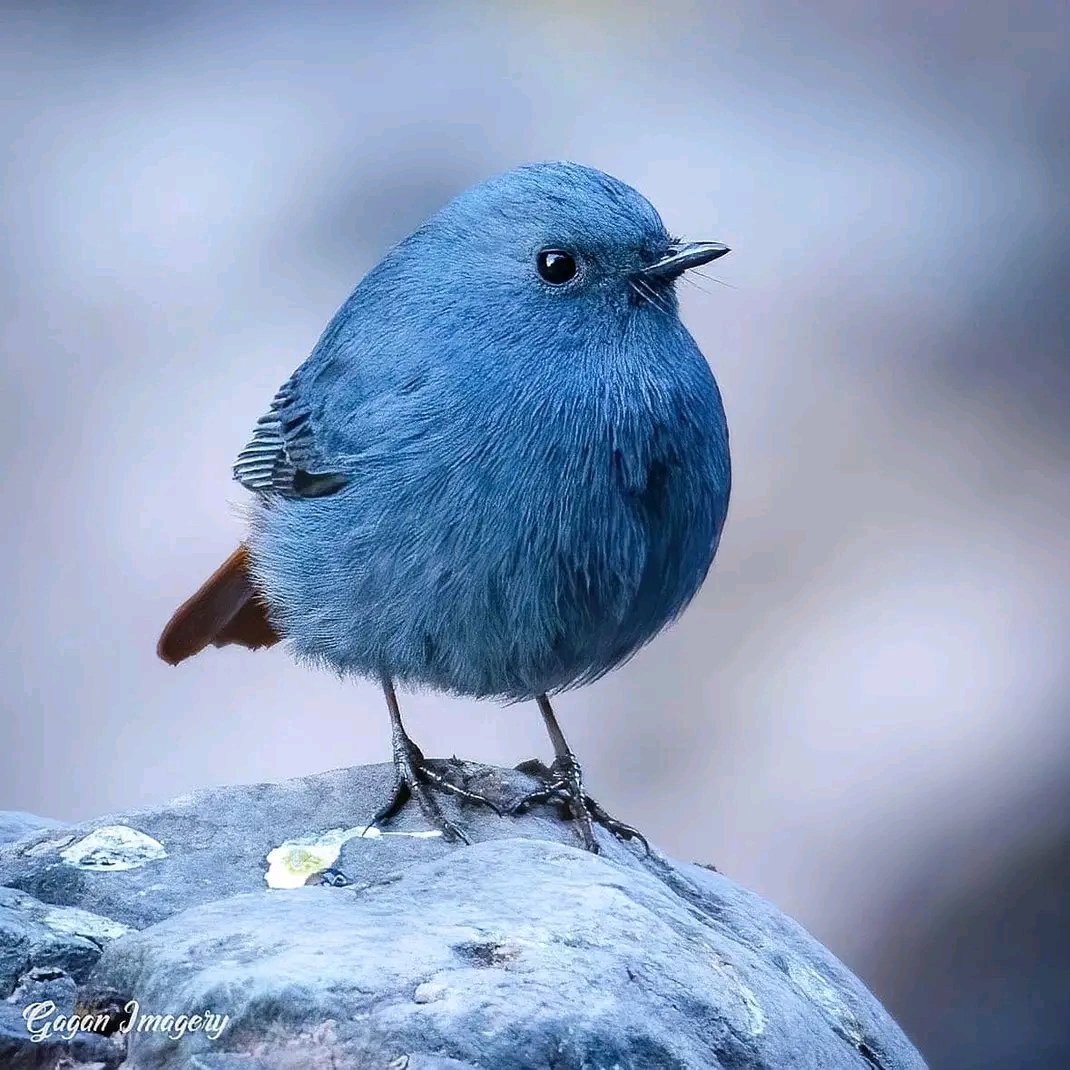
863, 716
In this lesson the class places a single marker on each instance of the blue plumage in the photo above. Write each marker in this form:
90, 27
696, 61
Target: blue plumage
489, 483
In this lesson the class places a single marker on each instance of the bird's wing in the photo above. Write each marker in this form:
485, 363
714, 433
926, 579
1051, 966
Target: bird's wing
283, 456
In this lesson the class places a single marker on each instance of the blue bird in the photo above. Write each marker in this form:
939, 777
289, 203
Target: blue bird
503, 469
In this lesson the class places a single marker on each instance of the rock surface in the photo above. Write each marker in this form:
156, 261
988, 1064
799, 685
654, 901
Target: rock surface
17, 824
322, 947
46, 951
33, 933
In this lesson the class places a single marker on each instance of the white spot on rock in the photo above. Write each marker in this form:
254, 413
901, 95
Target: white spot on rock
294, 861
113, 847
818, 990
429, 992
373, 833
46, 847
755, 1015
76, 922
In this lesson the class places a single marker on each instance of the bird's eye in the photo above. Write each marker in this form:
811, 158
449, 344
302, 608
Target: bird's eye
556, 266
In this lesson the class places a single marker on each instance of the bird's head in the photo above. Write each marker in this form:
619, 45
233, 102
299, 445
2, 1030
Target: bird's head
554, 244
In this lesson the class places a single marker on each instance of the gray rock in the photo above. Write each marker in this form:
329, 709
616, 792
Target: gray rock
143, 866
38, 934
46, 984
17, 824
56, 1051
508, 955
45, 951
521, 951
225, 1062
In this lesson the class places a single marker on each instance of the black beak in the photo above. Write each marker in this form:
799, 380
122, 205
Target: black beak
681, 255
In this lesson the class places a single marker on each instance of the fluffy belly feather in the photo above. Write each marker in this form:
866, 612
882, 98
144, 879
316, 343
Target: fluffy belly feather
507, 587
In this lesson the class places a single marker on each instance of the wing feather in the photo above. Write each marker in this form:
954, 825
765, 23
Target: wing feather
283, 456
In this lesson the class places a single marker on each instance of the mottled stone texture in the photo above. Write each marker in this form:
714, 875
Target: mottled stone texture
520, 952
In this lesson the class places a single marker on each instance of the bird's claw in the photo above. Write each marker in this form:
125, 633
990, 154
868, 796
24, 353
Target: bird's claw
443, 783
619, 829
563, 782
417, 780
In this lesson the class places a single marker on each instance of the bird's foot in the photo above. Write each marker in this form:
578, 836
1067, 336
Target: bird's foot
563, 782
417, 779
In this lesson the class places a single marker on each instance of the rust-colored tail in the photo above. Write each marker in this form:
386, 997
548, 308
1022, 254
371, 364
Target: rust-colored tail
225, 610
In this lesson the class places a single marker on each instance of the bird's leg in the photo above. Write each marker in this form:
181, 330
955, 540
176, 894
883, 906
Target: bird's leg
415, 779
564, 781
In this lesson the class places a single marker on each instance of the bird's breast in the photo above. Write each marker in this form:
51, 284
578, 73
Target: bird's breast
615, 494
506, 542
